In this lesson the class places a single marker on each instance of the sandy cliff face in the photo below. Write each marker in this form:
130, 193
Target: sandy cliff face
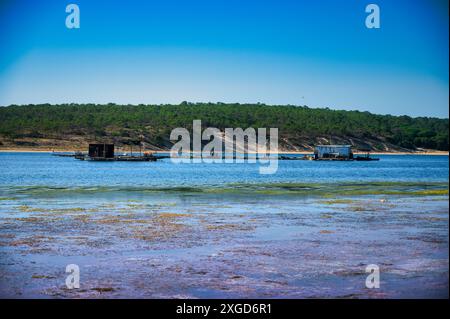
72, 142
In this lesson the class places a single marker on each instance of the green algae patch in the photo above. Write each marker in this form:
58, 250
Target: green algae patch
69, 210
26, 208
348, 189
431, 192
324, 190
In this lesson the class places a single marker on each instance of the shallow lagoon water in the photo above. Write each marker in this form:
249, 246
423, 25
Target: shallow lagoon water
160, 230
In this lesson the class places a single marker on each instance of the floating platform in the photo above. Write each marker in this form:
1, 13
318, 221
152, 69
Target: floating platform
119, 158
339, 159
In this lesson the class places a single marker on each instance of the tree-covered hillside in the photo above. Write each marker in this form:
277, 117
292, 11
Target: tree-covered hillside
299, 127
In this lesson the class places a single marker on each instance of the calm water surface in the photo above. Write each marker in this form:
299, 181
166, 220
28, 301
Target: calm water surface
43, 169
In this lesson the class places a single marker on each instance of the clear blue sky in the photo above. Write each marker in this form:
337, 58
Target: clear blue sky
315, 53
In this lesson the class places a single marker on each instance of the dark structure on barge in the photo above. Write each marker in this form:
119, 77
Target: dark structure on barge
104, 151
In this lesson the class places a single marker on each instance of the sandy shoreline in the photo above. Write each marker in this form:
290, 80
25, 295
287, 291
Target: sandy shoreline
33, 150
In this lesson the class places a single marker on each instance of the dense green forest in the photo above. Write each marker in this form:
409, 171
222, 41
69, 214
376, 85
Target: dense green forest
299, 124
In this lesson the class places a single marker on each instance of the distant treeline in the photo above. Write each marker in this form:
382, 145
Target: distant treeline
159, 120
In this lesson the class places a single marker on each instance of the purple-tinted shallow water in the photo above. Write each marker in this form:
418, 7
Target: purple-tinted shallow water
241, 247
